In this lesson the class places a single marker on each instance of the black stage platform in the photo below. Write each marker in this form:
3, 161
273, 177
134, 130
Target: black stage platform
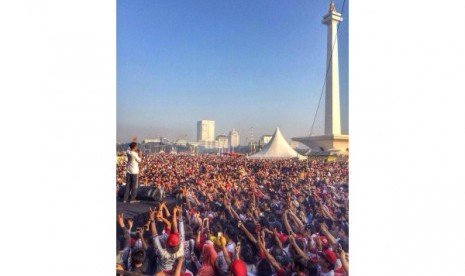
138, 211
131, 210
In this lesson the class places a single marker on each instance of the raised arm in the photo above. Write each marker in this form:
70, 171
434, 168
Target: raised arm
335, 203
269, 257
276, 238
127, 237
343, 258
286, 222
324, 211
188, 203
251, 216
163, 208
197, 219
296, 247
120, 220
140, 235
178, 270
122, 225
195, 199
296, 219
153, 228
236, 215
165, 221
158, 247
180, 225
174, 220
329, 236
233, 213
247, 233
225, 253
197, 237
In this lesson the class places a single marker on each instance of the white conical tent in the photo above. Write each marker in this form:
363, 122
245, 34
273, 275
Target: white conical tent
277, 148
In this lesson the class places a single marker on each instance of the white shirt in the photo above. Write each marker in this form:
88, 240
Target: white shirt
251, 269
132, 165
221, 262
329, 273
230, 247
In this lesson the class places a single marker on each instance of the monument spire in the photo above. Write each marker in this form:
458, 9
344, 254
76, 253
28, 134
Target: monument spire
332, 104
333, 141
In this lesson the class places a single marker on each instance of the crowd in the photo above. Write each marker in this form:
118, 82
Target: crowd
234, 216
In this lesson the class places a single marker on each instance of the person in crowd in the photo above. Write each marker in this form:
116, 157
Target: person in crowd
209, 255
132, 172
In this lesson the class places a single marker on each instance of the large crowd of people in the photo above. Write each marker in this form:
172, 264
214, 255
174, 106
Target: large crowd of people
233, 216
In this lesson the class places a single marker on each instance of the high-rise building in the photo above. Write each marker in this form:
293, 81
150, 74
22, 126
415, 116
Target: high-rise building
264, 140
205, 130
223, 141
233, 138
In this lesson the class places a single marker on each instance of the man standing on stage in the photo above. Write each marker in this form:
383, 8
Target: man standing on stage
132, 172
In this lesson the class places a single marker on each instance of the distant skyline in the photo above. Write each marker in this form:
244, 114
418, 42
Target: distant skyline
243, 64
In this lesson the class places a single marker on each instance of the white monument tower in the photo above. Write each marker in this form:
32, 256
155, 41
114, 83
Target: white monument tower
332, 108
333, 141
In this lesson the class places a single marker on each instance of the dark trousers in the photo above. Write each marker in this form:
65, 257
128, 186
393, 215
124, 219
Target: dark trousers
131, 186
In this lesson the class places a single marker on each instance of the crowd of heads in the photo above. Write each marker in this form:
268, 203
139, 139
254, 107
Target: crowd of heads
233, 216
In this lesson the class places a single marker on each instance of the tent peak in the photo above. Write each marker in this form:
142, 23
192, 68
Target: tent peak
277, 148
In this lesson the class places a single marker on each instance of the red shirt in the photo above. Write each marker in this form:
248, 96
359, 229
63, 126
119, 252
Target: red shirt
203, 239
281, 272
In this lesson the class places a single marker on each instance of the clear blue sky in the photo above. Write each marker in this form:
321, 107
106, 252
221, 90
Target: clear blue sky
241, 63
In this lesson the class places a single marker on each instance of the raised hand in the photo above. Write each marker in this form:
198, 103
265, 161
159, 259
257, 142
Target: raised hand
258, 228
324, 227
237, 249
223, 241
307, 232
239, 224
273, 229
159, 215
140, 232
339, 251
175, 209
291, 238
207, 224
179, 209
130, 223
152, 214
266, 230
120, 220
318, 242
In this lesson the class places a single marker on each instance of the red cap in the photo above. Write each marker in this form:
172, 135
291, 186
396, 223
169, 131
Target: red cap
282, 238
330, 256
173, 240
238, 268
